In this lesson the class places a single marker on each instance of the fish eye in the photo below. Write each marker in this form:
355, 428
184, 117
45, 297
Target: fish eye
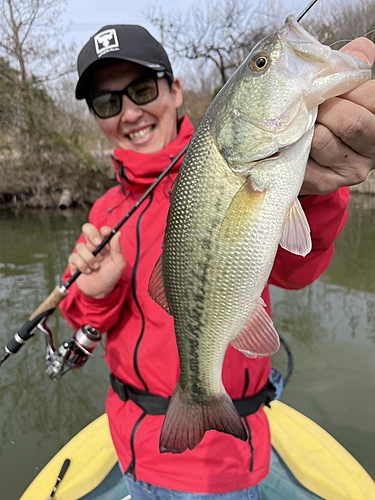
259, 63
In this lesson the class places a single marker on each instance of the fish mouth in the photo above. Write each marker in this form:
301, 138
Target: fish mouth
270, 157
274, 155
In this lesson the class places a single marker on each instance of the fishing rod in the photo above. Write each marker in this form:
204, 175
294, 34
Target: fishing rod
74, 351
305, 10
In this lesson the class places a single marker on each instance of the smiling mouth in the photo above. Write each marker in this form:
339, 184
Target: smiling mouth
140, 134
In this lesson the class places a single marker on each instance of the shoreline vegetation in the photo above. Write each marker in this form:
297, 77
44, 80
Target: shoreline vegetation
37, 188
43, 189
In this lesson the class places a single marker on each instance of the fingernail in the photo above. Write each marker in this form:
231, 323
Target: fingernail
97, 240
361, 56
95, 265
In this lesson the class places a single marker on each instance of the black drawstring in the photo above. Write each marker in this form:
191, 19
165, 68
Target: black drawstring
247, 380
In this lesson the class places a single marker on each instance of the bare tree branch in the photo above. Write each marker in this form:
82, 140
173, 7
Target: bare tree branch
29, 37
220, 32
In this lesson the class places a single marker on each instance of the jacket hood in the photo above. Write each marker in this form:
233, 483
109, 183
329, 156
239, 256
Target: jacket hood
138, 169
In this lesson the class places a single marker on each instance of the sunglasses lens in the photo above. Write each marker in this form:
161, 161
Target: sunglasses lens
140, 92
143, 91
106, 105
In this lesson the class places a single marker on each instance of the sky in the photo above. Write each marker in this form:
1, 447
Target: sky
82, 18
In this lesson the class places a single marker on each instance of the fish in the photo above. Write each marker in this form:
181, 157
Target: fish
235, 200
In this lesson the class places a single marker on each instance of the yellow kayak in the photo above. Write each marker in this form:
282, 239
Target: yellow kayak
307, 463
315, 458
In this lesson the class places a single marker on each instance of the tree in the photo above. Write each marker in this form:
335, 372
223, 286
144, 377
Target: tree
43, 149
29, 44
220, 33
8, 81
335, 26
51, 152
30, 41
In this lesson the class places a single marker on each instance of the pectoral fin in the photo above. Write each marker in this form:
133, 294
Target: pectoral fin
244, 207
258, 337
156, 286
296, 232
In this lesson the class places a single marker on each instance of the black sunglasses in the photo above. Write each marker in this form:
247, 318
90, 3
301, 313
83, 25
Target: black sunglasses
140, 91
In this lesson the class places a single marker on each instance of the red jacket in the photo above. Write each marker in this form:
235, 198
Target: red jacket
141, 348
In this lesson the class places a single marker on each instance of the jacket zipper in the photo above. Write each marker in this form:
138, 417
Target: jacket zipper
131, 469
134, 291
246, 385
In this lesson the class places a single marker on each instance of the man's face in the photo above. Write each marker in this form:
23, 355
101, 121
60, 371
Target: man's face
148, 128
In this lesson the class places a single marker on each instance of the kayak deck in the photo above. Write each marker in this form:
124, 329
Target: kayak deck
307, 463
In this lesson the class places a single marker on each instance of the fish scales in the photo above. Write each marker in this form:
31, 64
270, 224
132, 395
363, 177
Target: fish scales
234, 202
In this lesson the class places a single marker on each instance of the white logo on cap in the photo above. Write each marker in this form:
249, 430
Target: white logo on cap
106, 41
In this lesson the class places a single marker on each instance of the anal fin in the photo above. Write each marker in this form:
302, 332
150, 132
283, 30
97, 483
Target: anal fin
258, 337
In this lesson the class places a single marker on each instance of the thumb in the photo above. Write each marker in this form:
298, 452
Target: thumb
116, 251
361, 48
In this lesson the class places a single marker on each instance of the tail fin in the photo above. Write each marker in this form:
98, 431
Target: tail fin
187, 420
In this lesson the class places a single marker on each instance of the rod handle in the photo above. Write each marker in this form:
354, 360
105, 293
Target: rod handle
64, 468
51, 302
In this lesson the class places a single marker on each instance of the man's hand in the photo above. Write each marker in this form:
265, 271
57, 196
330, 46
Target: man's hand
100, 274
343, 147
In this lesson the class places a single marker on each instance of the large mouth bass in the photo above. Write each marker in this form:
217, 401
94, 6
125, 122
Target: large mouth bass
234, 201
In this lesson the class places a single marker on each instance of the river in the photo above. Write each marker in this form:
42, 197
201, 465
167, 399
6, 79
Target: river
329, 326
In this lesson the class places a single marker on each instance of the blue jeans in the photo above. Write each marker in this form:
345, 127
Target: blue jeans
143, 491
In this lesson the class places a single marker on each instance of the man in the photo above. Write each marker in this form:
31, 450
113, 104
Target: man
128, 82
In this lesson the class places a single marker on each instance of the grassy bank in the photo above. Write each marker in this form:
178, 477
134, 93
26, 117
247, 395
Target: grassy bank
40, 188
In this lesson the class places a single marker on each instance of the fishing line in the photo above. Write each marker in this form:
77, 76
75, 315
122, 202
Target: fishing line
369, 33
365, 35
332, 15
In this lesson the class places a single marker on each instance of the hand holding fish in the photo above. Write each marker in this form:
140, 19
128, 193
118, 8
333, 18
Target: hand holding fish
343, 151
100, 274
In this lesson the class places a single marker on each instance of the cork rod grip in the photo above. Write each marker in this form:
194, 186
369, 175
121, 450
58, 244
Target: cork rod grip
51, 302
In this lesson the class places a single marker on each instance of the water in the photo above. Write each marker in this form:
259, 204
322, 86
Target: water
38, 416
330, 327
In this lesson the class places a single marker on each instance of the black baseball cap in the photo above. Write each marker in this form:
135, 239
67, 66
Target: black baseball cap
115, 43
